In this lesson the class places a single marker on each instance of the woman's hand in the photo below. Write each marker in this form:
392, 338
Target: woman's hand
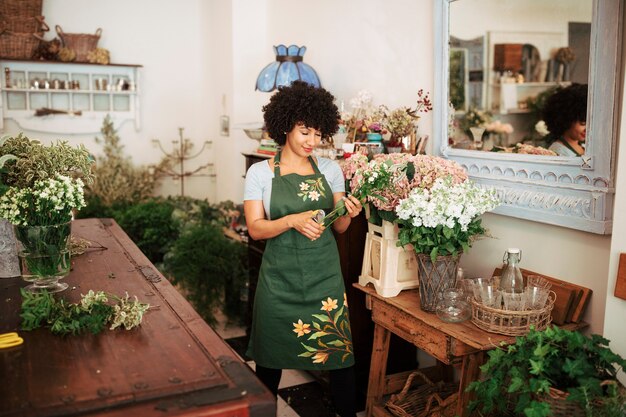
353, 205
304, 223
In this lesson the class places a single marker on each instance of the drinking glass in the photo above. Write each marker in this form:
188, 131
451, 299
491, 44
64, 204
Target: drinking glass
490, 296
479, 284
536, 297
538, 281
514, 301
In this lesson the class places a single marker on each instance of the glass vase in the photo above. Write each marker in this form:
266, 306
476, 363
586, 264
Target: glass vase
44, 255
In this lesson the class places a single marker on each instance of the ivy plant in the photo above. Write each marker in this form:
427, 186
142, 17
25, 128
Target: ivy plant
520, 374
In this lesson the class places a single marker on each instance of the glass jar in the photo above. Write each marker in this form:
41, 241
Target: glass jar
453, 307
511, 279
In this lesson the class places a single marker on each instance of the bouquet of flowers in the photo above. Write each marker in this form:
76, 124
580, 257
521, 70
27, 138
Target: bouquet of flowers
474, 118
498, 127
48, 202
388, 178
445, 219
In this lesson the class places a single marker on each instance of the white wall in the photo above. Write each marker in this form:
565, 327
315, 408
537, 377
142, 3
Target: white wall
616, 307
173, 41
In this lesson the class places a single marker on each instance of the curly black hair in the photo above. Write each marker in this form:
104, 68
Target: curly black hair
300, 103
564, 107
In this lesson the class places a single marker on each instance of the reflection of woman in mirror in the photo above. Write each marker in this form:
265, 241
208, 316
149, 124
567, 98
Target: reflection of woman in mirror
565, 114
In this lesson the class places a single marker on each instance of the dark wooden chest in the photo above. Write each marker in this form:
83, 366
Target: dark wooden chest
173, 364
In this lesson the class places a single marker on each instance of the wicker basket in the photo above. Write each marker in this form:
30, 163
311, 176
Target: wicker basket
24, 24
20, 8
424, 400
80, 43
19, 45
512, 323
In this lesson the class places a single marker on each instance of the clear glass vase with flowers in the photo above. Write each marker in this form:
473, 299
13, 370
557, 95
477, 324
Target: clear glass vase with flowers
42, 216
42, 189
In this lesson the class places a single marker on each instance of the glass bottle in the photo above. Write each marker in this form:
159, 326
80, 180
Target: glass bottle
511, 280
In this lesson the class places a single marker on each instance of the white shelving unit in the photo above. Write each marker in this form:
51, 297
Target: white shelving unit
506, 97
91, 90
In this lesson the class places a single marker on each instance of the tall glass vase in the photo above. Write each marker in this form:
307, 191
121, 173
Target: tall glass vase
44, 255
434, 278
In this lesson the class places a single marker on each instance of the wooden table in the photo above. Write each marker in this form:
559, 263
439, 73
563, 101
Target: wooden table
462, 345
173, 364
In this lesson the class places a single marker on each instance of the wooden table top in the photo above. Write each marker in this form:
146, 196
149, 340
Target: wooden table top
173, 361
408, 301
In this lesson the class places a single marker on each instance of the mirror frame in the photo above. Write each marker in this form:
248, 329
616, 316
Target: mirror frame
573, 192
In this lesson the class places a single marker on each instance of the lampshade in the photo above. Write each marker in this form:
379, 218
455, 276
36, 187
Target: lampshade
287, 68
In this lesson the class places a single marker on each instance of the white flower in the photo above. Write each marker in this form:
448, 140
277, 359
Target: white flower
542, 128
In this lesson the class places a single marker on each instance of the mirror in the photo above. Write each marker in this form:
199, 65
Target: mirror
473, 76
504, 65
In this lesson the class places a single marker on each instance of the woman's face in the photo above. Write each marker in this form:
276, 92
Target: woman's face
577, 131
302, 140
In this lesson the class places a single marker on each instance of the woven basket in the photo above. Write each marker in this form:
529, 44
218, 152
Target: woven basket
19, 45
20, 8
24, 24
560, 407
80, 43
512, 323
425, 400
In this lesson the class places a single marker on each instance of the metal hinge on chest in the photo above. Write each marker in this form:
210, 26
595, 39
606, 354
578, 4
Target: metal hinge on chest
149, 274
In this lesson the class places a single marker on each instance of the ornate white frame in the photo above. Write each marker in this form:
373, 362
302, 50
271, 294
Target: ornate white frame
574, 192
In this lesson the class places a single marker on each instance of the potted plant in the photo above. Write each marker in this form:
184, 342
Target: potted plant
554, 372
441, 223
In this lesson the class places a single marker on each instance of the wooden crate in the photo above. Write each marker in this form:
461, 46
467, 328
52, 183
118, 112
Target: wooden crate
507, 57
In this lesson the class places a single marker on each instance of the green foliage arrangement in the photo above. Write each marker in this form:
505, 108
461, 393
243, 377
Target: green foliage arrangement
39, 162
210, 268
117, 179
93, 313
522, 373
151, 226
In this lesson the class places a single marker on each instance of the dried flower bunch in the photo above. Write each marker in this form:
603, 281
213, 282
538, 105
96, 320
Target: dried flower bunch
93, 313
565, 55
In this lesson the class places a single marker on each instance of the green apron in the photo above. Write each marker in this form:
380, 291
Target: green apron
300, 314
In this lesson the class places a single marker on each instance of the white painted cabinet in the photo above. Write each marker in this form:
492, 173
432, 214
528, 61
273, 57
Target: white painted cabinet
73, 98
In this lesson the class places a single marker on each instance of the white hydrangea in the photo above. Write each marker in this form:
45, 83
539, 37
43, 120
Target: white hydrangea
446, 204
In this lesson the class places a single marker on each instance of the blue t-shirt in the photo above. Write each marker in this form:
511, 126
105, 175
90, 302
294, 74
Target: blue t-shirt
259, 180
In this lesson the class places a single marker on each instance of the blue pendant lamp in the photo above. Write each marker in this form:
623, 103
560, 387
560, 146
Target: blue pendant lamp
287, 68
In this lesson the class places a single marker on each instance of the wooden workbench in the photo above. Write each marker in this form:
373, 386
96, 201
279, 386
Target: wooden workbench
462, 345
173, 364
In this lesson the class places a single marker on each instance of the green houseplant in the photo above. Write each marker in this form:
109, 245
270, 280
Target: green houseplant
524, 376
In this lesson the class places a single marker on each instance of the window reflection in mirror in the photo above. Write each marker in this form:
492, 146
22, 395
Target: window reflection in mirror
505, 64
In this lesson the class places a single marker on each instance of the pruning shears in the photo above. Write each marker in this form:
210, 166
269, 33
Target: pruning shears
8, 340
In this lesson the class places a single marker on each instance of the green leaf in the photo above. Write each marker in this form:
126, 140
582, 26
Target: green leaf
309, 348
336, 343
321, 317
316, 335
316, 325
306, 354
338, 314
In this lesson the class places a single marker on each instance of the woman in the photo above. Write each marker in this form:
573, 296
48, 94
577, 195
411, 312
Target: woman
565, 114
300, 314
